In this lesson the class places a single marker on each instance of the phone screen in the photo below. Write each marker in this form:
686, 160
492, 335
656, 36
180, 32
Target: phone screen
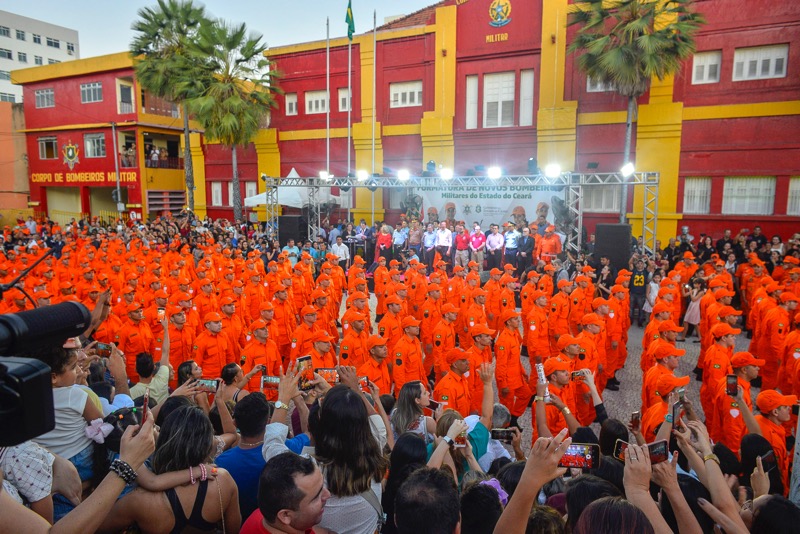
731, 385
270, 382
305, 370
363, 381
659, 451
677, 411
103, 350
636, 419
209, 385
331, 376
583, 455
161, 312
768, 461
503, 434
577, 375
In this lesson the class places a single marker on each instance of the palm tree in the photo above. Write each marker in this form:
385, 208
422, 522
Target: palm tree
163, 67
238, 94
625, 43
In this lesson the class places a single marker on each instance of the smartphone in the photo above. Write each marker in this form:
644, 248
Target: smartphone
658, 451
209, 385
434, 405
681, 394
331, 376
145, 405
161, 313
461, 440
677, 411
363, 381
305, 370
636, 419
263, 370
503, 434
582, 455
731, 385
577, 375
270, 382
104, 349
768, 461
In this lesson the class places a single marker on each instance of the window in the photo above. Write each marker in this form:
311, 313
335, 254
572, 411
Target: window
71, 47
594, 86
706, 67
45, 98
38, 60
5, 31
344, 99
748, 195
5, 74
125, 98
216, 193
22, 57
760, 62
250, 189
793, 204
230, 193
48, 148
53, 43
471, 119
291, 103
91, 92
498, 100
7, 97
6, 53
405, 94
52, 61
37, 39
526, 98
601, 198
316, 102
697, 195
94, 145
20, 35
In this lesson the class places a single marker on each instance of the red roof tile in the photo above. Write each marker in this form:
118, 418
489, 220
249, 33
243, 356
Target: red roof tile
418, 18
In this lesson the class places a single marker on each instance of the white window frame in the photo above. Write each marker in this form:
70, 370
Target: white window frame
71, 47
344, 99
405, 94
21, 35
22, 57
5, 75
216, 193
600, 199
316, 102
593, 86
91, 92
696, 195
291, 104
38, 60
230, 193
760, 62
52, 61
8, 97
53, 43
45, 98
748, 195
526, 95
5, 31
37, 39
793, 202
471, 111
706, 67
43, 142
94, 145
499, 90
250, 189
5, 53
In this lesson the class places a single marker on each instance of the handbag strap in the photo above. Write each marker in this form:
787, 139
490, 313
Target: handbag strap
373, 501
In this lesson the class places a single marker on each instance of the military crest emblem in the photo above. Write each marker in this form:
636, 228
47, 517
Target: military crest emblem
499, 13
70, 151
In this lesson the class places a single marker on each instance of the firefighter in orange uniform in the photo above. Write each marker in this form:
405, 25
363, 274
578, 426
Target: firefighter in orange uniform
667, 359
134, 337
375, 367
775, 328
453, 388
322, 357
479, 353
261, 351
407, 354
353, 350
213, 349
776, 410
443, 339
181, 339
390, 326
729, 424
512, 380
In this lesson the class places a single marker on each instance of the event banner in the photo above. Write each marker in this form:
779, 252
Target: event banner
488, 205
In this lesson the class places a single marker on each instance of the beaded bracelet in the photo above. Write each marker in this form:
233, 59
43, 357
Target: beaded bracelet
203, 472
123, 470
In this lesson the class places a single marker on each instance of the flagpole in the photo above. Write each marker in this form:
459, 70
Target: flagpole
328, 89
349, 96
374, 90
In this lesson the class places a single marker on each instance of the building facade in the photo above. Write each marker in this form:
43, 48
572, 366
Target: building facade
27, 42
470, 84
91, 129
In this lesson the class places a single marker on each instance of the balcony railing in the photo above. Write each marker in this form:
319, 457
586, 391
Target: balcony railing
128, 160
164, 163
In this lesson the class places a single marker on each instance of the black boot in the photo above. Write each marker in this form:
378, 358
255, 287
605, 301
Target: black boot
514, 423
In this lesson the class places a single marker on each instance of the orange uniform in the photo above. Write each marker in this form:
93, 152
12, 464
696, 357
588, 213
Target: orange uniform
443, 339
213, 352
266, 354
378, 374
510, 374
132, 339
538, 329
353, 348
408, 366
454, 390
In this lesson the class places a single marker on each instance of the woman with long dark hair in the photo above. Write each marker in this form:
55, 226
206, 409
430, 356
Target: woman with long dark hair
408, 414
186, 440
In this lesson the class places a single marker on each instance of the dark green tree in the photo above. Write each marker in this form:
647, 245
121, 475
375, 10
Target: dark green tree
163, 67
238, 92
625, 43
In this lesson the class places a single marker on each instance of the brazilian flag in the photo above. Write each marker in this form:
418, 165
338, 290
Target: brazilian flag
351, 23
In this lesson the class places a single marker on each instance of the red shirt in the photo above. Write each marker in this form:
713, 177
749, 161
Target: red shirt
477, 240
462, 241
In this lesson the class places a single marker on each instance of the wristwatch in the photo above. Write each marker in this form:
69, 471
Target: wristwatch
279, 405
448, 440
565, 410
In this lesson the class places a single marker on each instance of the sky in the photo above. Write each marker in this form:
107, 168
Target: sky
104, 25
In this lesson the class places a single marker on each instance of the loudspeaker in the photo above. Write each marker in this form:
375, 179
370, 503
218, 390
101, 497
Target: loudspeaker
614, 241
292, 227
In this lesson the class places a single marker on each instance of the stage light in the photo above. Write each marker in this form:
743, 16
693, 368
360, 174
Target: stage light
627, 170
552, 170
362, 175
403, 174
446, 174
494, 173
431, 166
324, 175
533, 166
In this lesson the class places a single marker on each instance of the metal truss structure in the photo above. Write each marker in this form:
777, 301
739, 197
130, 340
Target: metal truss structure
572, 183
